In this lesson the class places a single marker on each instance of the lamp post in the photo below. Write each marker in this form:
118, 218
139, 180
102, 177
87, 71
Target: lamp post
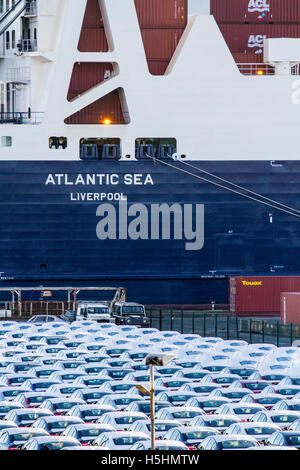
154, 360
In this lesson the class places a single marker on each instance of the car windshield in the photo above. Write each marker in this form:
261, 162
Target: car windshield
92, 310
36, 399
133, 309
293, 440
89, 382
283, 418
30, 417
235, 394
67, 390
204, 388
60, 424
22, 436
256, 386
126, 419
93, 395
90, 432
121, 387
162, 426
17, 380
58, 445
268, 400
65, 405
234, 444
197, 434
92, 412
225, 380
123, 401
5, 409
40, 385
260, 430
185, 414
245, 410
221, 422
123, 441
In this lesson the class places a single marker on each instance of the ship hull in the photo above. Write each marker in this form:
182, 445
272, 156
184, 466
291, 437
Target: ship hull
170, 234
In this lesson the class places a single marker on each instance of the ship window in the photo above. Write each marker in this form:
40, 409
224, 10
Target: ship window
94, 148
6, 141
7, 40
58, 143
13, 39
160, 148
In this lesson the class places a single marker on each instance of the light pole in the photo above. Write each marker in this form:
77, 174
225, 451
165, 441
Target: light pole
155, 360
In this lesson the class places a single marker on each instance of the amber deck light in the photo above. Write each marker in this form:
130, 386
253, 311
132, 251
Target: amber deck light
260, 72
107, 122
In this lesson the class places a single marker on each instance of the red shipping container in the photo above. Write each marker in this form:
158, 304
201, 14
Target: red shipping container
108, 107
290, 307
160, 44
259, 295
158, 67
256, 11
93, 37
162, 13
250, 38
87, 75
247, 58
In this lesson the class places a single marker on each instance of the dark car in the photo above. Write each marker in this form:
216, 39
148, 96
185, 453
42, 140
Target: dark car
129, 313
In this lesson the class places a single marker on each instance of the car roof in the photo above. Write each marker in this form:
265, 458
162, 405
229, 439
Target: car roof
20, 430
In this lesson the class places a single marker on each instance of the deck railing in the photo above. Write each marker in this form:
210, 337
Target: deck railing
263, 69
21, 118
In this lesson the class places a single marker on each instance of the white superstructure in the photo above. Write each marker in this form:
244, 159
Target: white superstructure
203, 101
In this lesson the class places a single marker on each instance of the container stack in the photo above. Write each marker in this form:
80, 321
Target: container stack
245, 24
162, 24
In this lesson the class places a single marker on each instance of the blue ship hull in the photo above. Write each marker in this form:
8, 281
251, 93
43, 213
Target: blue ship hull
61, 226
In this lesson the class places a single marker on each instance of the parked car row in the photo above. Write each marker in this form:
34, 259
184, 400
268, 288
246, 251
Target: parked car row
75, 386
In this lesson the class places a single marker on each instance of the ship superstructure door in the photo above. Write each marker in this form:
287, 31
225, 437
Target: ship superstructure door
3, 98
231, 252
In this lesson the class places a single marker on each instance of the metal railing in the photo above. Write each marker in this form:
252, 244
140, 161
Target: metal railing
224, 326
18, 74
21, 118
31, 8
263, 69
28, 45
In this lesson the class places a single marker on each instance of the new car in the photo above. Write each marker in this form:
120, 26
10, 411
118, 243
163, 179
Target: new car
282, 418
55, 425
285, 438
233, 442
14, 438
183, 414
25, 417
261, 431
121, 420
89, 413
86, 433
159, 445
50, 443
120, 440
189, 435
